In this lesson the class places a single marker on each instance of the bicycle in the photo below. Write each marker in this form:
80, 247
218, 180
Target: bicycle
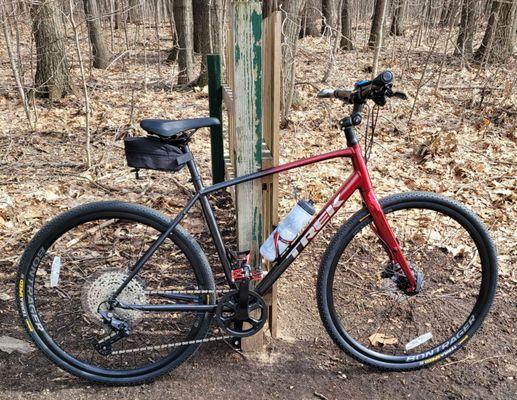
404, 283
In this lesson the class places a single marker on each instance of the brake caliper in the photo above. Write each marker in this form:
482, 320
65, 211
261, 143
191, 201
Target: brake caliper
394, 272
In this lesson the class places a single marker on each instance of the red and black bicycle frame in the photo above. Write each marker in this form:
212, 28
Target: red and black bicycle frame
358, 180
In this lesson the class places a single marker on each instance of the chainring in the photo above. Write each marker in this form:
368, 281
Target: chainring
227, 309
101, 285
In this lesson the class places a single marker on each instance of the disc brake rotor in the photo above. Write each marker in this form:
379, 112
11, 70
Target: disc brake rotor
100, 286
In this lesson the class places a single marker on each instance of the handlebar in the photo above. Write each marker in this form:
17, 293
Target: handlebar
378, 89
341, 94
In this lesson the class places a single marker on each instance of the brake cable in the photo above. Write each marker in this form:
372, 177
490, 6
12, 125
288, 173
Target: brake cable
369, 136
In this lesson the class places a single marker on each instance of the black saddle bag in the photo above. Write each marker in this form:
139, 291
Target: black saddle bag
154, 153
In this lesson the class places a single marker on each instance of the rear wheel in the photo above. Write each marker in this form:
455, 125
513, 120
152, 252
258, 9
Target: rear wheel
360, 294
76, 262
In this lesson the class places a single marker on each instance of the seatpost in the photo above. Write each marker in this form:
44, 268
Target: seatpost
194, 172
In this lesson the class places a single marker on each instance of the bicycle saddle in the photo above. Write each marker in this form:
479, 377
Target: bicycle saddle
171, 129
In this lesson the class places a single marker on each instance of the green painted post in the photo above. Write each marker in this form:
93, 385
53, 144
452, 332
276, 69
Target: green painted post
215, 101
247, 91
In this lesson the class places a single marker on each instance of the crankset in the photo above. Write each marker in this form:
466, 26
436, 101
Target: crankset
241, 313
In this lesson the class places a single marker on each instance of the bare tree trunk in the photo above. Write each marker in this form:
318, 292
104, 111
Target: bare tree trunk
173, 54
52, 77
157, 24
199, 18
202, 36
443, 15
183, 19
346, 26
398, 16
498, 40
329, 9
134, 15
293, 10
85, 88
216, 26
467, 27
6, 28
311, 24
118, 13
451, 15
101, 57
375, 39
335, 46
488, 38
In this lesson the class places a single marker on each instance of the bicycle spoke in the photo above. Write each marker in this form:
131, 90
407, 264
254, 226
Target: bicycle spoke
377, 312
94, 260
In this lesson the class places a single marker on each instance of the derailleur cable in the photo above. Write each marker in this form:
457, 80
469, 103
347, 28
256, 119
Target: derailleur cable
113, 337
369, 134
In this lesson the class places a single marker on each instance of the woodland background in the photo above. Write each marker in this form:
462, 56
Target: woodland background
76, 76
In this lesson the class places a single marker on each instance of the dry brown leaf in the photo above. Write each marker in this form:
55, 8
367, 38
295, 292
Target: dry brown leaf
381, 339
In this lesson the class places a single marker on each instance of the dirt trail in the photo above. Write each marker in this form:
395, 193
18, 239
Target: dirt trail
469, 159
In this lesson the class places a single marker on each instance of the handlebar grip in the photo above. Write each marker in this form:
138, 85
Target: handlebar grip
342, 94
383, 78
326, 94
345, 95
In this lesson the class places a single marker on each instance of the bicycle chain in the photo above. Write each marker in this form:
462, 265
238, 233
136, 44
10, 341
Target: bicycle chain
170, 345
177, 344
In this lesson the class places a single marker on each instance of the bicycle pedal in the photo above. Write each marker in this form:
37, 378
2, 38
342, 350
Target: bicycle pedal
244, 273
241, 267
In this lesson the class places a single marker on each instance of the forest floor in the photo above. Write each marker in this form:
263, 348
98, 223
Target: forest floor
461, 142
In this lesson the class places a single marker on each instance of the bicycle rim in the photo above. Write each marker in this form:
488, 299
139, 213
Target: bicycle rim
80, 261
372, 317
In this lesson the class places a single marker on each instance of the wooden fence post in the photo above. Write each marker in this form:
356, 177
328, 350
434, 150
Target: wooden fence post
215, 100
272, 58
247, 28
251, 95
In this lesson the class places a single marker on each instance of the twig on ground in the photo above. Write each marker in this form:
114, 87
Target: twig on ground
320, 396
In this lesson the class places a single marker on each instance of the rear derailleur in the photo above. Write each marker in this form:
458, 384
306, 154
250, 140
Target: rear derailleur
242, 312
120, 328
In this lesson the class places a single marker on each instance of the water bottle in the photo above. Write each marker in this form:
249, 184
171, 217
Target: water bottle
287, 230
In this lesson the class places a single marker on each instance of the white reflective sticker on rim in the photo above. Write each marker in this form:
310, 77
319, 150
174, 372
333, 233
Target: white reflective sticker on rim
54, 271
418, 341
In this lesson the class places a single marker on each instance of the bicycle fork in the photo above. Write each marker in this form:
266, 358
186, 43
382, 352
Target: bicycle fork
381, 226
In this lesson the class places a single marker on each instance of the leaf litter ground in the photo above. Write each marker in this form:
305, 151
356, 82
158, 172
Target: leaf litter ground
460, 142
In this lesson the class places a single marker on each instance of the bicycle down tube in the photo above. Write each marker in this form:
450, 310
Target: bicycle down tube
359, 179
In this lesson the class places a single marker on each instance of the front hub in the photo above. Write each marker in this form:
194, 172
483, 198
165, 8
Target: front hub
396, 274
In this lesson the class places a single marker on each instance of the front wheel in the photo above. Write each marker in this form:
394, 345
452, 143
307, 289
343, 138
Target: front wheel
363, 305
